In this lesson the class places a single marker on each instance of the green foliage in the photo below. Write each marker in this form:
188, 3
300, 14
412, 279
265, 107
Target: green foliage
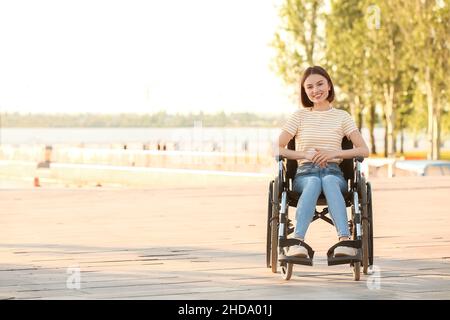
392, 54
299, 39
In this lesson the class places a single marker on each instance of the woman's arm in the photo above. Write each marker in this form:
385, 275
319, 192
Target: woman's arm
360, 149
283, 140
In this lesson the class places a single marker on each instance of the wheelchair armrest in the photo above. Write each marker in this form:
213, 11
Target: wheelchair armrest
279, 157
359, 159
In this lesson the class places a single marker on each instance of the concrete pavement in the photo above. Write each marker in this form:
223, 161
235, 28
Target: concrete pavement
188, 239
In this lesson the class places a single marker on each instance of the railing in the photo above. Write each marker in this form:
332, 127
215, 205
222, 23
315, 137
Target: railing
239, 161
227, 161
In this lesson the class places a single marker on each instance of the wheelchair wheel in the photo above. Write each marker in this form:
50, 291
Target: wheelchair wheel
356, 271
370, 219
356, 266
286, 270
269, 226
274, 226
365, 225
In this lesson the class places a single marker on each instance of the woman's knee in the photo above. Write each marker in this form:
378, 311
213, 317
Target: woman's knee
312, 184
332, 183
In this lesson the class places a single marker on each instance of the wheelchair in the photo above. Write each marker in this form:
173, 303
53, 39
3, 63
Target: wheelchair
279, 227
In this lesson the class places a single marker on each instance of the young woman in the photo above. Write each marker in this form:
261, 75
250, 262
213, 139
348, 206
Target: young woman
319, 129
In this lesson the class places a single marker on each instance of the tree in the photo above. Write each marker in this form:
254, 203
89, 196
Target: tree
428, 33
387, 65
298, 41
345, 52
390, 54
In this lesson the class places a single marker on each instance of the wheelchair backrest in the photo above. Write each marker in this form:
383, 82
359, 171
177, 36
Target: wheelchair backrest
346, 165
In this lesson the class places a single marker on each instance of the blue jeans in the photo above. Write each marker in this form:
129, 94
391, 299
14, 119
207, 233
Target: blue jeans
310, 180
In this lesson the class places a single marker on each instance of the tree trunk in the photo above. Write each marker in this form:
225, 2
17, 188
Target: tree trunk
372, 128
402, 141
389, 115
436, 133
430, 128
353, 110
385, 136
394, 143
357, 112
360, 120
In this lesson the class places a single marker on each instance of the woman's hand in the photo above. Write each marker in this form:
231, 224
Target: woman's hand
309, 155
322, 156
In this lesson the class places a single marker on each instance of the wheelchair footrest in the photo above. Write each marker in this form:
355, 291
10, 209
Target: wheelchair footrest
307, 261
296, 260
332, 260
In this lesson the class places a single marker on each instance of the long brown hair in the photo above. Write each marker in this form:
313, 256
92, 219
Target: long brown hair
315, 70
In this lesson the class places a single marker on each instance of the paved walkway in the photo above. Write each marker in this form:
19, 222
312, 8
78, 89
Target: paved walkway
191, 241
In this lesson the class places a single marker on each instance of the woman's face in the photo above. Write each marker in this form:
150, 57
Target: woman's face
316, 88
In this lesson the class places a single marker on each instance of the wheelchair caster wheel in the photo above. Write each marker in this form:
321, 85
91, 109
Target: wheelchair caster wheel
356, 271
286, 270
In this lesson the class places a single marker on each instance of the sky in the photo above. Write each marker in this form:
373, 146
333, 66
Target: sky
139, 56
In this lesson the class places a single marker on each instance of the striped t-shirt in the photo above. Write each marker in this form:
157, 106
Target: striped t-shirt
319, 129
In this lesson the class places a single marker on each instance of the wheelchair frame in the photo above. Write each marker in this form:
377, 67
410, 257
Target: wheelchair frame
280, 197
